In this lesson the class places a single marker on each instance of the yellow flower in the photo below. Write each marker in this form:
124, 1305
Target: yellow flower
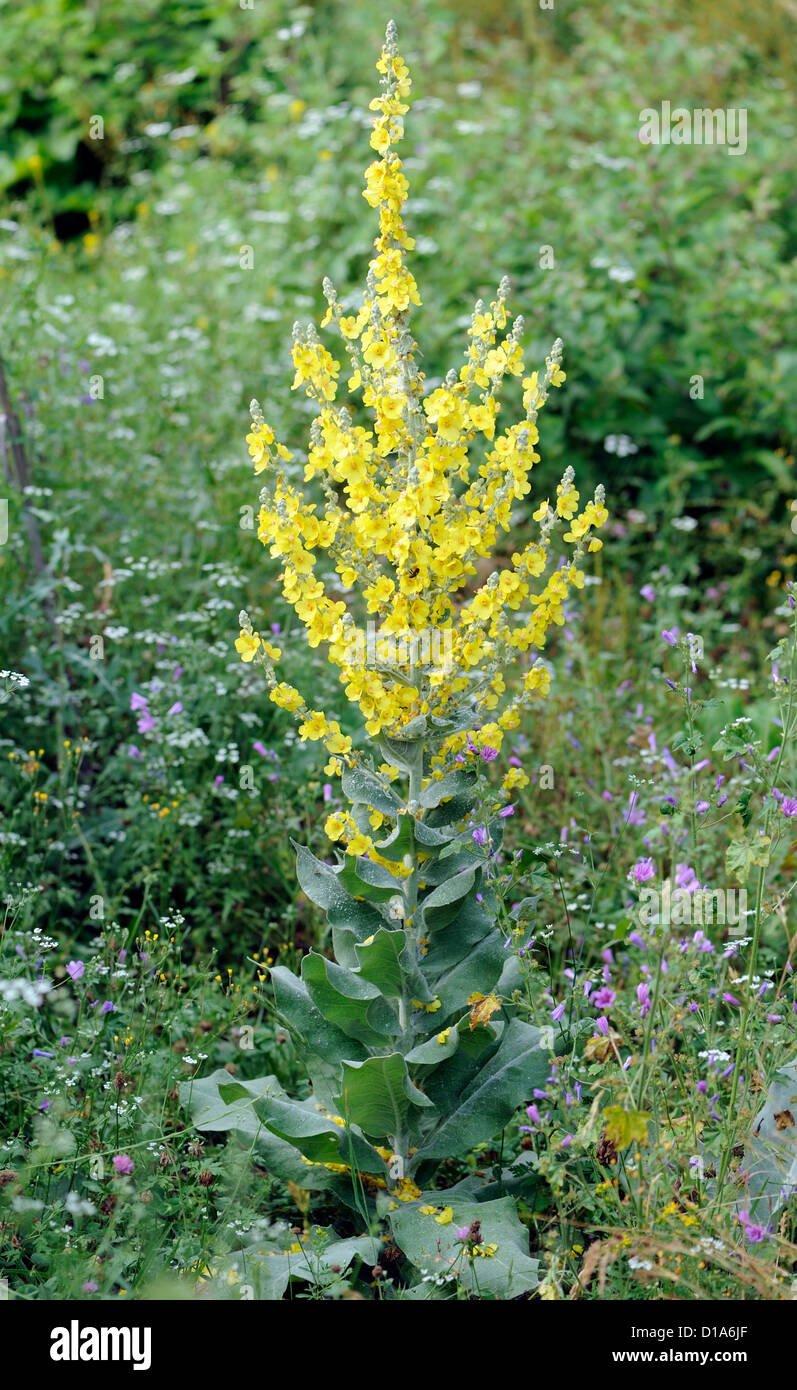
335, 825
286, 697
247, 644
359, 844
314, 726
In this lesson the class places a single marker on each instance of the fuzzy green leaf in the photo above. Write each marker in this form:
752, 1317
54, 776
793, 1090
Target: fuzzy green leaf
437, 904
507, 1271
379, 961
452, 784
377, 1094
488, 1103
360, 785
350, 1002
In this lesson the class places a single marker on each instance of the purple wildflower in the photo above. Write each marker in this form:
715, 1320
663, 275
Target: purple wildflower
642, 871
604, 998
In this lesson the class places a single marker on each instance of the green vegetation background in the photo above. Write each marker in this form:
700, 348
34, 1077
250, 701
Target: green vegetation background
234, 137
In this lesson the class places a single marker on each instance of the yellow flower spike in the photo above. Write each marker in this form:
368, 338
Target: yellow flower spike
404, 515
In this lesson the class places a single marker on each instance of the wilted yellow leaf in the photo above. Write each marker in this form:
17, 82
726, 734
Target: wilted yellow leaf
483, 1008
625, 1126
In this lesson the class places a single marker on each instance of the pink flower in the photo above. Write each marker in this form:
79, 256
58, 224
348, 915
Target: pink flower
123, 1163
604, 998
642, 871
755, 1234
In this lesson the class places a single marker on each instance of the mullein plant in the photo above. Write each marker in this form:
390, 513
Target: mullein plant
408, 1036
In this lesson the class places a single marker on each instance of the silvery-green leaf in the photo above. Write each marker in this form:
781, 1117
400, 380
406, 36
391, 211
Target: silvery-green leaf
507, 1272
518, 1065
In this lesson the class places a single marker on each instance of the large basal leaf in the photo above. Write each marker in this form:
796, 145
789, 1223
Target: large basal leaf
377, 1095
433, 1248
518, 1065
265, 1274
318, 1137
771, 1154
217, 1104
